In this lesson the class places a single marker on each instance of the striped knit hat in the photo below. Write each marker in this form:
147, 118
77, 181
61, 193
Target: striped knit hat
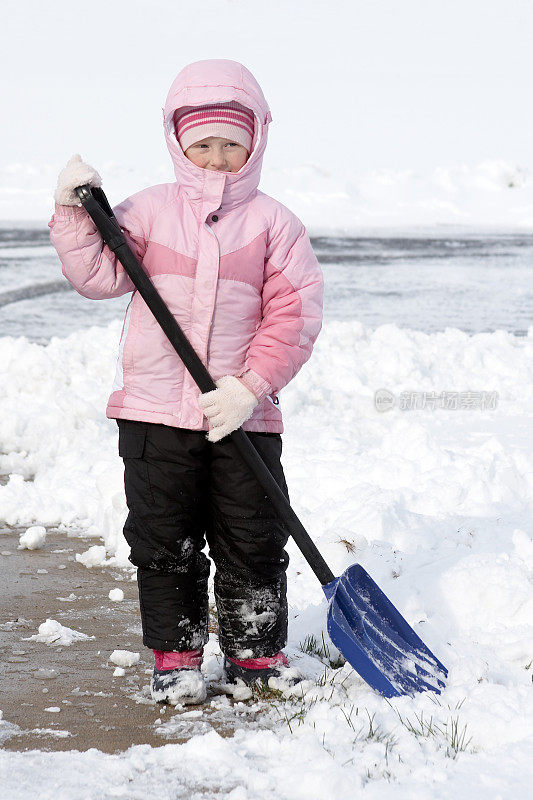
228, 120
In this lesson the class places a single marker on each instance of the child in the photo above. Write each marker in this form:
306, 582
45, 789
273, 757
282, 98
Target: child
237, 270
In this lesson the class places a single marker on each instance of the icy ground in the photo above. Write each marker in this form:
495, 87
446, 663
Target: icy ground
434, 502
416, 278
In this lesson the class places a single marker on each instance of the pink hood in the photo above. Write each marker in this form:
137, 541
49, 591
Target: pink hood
217, 81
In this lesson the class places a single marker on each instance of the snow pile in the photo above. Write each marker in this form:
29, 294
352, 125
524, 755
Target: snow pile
366, 470
434, 497
329, 198
53, 633
260, 765
124, 658
62, 438
33, 538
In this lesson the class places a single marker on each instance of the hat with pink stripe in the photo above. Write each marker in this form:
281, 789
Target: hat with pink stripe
228, 120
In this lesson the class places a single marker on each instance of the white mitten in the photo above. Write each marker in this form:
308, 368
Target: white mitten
75, 174
227, 407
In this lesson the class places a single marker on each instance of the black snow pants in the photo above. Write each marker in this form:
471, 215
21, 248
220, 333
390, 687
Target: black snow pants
180, 490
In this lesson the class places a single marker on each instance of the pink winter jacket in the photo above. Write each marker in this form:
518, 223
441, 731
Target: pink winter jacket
235, 267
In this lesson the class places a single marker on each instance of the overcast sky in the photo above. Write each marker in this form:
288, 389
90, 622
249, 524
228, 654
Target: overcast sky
368, 83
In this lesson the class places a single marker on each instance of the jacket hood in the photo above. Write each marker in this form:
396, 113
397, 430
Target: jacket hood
217, 81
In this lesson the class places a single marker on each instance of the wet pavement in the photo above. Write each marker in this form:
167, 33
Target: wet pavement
95, 708
421, 280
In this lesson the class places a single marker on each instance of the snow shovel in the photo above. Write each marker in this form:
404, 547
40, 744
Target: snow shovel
362, 622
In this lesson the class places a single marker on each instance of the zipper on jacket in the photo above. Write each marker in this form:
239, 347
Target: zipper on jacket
211, 323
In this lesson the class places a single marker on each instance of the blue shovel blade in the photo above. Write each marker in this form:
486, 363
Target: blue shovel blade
376, 640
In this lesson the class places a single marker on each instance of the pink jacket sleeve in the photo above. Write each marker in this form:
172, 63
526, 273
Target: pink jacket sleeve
88, 264
291, 311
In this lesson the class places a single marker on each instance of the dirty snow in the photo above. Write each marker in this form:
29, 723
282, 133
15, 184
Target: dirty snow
32, 539
53, 633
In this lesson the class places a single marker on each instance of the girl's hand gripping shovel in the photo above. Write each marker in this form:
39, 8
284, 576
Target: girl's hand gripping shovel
362, 623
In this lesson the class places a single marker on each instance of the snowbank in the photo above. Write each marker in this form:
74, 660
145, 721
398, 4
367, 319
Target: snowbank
260, 765
329, 199
57, 445
435, 502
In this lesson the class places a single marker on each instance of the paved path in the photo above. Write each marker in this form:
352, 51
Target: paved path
97, 710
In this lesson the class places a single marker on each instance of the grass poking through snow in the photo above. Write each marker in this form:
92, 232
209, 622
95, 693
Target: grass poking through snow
322, 650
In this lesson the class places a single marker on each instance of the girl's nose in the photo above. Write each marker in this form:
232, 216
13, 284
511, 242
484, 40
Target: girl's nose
218, 158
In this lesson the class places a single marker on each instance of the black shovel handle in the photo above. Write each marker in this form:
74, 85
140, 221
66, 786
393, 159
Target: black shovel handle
96, 204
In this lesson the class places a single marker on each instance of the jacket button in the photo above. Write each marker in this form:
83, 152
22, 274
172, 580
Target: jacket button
214, 218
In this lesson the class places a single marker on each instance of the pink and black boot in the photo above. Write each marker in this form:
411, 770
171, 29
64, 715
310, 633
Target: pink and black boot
253, 670
177, 678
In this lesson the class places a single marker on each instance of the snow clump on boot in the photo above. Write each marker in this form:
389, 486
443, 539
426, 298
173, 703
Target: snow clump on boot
178, 686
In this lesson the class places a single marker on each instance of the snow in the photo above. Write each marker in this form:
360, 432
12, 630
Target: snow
119, 672
179, 687
495, 193
116, 595
32, 539
93, 557
261, 765
124, 658
381, 467
434, 501
51, 731
53, 633
239, 691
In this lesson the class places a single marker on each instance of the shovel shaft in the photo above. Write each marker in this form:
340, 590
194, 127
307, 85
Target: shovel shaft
95, 202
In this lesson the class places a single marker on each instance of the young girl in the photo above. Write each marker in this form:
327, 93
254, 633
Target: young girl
237, 270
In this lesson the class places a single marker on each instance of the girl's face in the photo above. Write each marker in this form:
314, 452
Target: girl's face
218, 154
